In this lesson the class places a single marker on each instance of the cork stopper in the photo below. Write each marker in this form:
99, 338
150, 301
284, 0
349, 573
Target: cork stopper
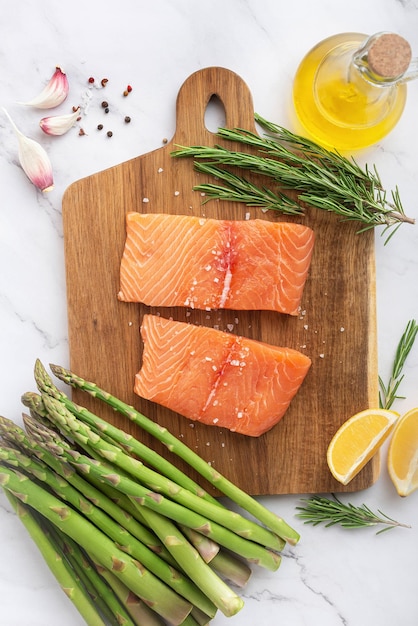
389, 55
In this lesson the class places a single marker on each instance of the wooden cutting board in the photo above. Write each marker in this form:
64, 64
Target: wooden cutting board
336, 327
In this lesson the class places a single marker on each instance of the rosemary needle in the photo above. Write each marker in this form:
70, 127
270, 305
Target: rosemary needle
318, 510
321, 178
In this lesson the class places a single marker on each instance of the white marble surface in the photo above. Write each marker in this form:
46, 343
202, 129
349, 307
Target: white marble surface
333, 577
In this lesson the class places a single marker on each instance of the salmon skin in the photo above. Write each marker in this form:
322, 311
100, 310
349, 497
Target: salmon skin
188, 261
217, 378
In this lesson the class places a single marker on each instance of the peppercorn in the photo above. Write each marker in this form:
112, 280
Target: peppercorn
105, 104
107, 110
91, 79
109, 133
104, 82
129, 89
127, 119
125, 93
100, 127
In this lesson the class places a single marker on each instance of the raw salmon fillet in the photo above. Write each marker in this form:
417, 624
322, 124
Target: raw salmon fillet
187, 261
217, 378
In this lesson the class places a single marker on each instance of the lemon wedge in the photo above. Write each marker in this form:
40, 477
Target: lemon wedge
403, 454
357, 441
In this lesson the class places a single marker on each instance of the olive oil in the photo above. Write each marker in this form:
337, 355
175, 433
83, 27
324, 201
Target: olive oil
337, 104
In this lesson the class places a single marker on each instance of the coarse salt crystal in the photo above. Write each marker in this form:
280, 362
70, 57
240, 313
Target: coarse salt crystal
215, 420
321, 356
176, 193
230, 327
342, 329
305, 326
145, 200
160, 169
234, 362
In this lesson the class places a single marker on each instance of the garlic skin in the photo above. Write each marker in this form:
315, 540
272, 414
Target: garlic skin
53, 94
34, 160
59, 124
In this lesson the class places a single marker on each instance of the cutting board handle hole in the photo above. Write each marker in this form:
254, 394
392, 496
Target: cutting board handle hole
215, 115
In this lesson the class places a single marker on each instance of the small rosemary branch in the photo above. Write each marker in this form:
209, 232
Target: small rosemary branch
321, 178
387, 394
319, 510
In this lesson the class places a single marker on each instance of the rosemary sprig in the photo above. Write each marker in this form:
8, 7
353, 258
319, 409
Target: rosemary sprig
319, 510
320, 178
387, 394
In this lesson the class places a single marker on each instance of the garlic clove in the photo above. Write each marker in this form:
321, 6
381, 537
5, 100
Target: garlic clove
54, 93
33, 159
59, 124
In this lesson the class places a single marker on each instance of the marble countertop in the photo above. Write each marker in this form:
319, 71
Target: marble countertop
334, 576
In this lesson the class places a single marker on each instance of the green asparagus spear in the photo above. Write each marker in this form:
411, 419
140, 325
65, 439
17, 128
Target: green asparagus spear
164, 601
247, 502
56, 563
141, 613
191, 562
100, 593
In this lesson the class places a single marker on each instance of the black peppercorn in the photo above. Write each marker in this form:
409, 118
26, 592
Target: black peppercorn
127, 119
109, 133
105, 104
100, 127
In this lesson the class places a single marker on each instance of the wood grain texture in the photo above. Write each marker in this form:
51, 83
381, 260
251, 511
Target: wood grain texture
336, 327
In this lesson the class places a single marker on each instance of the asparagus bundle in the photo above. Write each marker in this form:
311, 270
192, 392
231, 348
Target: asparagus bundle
138, 541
